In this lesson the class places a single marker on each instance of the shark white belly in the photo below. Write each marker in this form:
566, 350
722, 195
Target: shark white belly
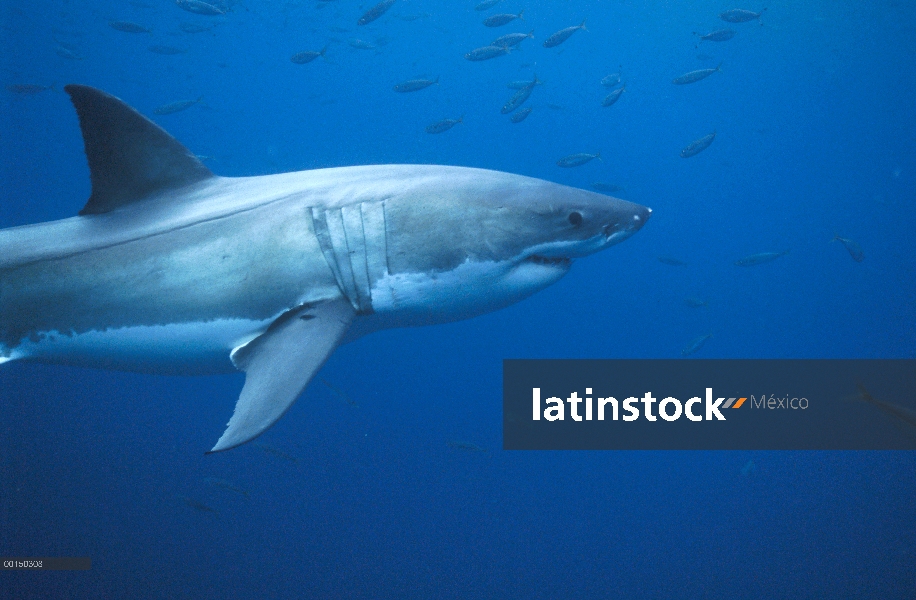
189, 348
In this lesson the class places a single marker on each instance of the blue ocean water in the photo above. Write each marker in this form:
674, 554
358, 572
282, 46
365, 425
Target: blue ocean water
360, 490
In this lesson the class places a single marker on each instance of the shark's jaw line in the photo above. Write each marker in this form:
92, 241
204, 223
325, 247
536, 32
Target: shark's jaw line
171, 269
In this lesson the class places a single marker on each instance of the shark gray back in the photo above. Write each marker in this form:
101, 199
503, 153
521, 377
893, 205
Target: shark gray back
171, 269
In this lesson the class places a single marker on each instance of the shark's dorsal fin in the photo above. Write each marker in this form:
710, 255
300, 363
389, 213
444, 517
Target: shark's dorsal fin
130, 157
280, 362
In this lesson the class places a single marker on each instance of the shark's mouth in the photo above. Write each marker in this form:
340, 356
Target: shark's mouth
555, 261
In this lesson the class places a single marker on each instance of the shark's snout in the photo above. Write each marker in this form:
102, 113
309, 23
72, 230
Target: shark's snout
626, 224
640, 218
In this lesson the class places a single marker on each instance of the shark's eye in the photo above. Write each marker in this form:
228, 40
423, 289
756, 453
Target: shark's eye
575, 218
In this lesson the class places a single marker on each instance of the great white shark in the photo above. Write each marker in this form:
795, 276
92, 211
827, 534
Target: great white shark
171, 269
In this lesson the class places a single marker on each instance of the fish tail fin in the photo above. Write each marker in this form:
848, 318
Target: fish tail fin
531, 34
324, 50
436, 80
582, 25
598, 156
719, 67
520, 13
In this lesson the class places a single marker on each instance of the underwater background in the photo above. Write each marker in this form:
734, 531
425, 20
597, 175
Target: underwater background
387, 478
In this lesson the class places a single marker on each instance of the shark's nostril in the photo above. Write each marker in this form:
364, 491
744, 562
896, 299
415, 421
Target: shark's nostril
639, 219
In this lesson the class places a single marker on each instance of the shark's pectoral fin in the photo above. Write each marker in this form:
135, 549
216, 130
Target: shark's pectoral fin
279, 363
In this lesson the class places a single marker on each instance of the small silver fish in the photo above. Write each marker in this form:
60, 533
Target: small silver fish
520, 115
338, 392
853, 247
738, 15
519, 97
720, 35
564, 34
375, 12
613, 96
577, 160
200, 506
486, 5
307, 56
200, 8
760, 258
486, 53
414, 85
276, 452
361, 44
906, 415
174, 107
610, 80
512, 39
523, 83
500, 20
443, 125
128, 27
465, 446
64, 52
695, 345
697, 146
671, 261
226, 485
694, 76
694, 302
